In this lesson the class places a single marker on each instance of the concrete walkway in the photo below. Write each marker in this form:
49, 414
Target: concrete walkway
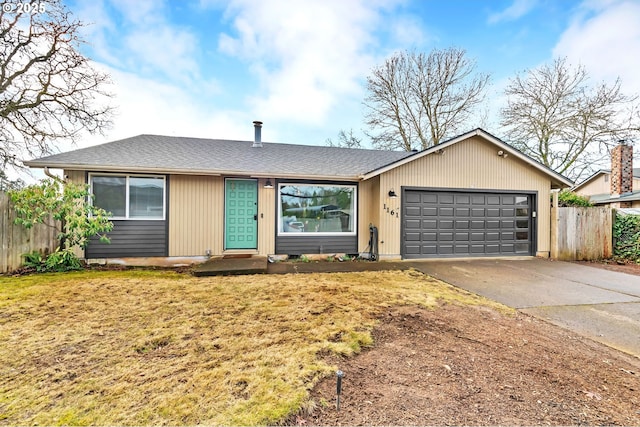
600, 304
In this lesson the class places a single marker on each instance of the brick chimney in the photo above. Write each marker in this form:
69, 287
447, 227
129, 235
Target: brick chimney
621, 170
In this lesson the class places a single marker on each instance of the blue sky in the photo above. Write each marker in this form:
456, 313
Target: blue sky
209, 68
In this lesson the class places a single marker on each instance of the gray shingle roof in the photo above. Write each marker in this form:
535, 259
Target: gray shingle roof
196, 155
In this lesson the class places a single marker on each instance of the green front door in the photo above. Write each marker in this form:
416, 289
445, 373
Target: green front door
241, 214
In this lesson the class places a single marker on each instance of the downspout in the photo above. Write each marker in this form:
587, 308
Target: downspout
52, 176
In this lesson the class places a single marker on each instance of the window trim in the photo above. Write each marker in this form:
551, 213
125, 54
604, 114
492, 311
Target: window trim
127, 186
282, 233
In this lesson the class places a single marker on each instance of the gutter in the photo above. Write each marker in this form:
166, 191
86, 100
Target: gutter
120, 169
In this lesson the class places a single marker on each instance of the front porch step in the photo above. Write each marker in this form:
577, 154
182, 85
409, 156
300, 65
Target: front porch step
229, 266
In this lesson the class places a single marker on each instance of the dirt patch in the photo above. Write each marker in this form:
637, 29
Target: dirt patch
459, 365
628, 267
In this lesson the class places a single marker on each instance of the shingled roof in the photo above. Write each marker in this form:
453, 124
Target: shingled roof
183, 155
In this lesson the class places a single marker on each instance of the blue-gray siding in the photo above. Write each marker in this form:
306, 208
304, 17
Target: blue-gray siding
298, 245
132, 239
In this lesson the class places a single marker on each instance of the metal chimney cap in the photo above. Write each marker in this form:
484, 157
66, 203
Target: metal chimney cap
257, 123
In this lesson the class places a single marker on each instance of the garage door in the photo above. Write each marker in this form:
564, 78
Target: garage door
459, 224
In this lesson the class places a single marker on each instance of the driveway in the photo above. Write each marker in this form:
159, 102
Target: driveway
600, 304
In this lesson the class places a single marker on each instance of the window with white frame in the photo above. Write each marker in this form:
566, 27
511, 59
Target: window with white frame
129, 196
316, 208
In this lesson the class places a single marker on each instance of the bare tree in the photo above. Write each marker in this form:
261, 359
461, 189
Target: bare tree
415, 100
49, 91
345, 140
555, 116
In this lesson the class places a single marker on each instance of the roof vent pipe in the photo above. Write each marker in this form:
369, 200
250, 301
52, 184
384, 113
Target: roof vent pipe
257, 142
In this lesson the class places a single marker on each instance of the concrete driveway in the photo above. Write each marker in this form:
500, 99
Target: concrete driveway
600, 304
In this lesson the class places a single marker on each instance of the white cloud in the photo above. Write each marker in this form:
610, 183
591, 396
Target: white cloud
605, 38
145, 106
518, 9
309, 56
166, 49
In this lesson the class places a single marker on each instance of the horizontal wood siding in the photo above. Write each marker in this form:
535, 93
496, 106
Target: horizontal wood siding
472, 164
132, 239
298, 245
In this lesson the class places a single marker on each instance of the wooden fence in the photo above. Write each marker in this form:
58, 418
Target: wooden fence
582, 234
16, 240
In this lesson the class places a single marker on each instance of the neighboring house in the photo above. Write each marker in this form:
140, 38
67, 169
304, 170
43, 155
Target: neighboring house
614, 187
472, 195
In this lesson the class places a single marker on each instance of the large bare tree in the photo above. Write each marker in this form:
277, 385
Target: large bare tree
49, 92
415, 100
555, 116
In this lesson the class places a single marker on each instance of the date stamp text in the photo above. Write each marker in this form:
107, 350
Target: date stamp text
25, 7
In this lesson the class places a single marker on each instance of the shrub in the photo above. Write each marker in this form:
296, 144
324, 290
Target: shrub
58, 261
626, 235
567, 198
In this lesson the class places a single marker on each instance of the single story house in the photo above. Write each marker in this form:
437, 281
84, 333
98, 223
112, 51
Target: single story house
614, 187
472, 195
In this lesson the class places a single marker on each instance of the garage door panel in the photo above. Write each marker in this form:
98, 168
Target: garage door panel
429, 198
492, 249
507, 223
507, 248
478, 199
429, 237
445, 211
462, 249
412, 224
507, 235
458, 223
414, 237
462, 224
446, 224
429, 250
478, 237
492, 236
477, 224
413, 211
430, 224
478, 249
412, 249
462, 237
412, 197
445, 198
429, 211
445, 249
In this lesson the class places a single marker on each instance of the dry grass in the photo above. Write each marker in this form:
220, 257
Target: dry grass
140, 347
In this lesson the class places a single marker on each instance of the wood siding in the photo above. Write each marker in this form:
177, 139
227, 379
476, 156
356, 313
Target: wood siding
196, 212
369, 213
602, 185
139, 238
196, 209
471, 164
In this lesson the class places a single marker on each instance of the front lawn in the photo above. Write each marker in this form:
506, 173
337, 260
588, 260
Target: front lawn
150, 348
